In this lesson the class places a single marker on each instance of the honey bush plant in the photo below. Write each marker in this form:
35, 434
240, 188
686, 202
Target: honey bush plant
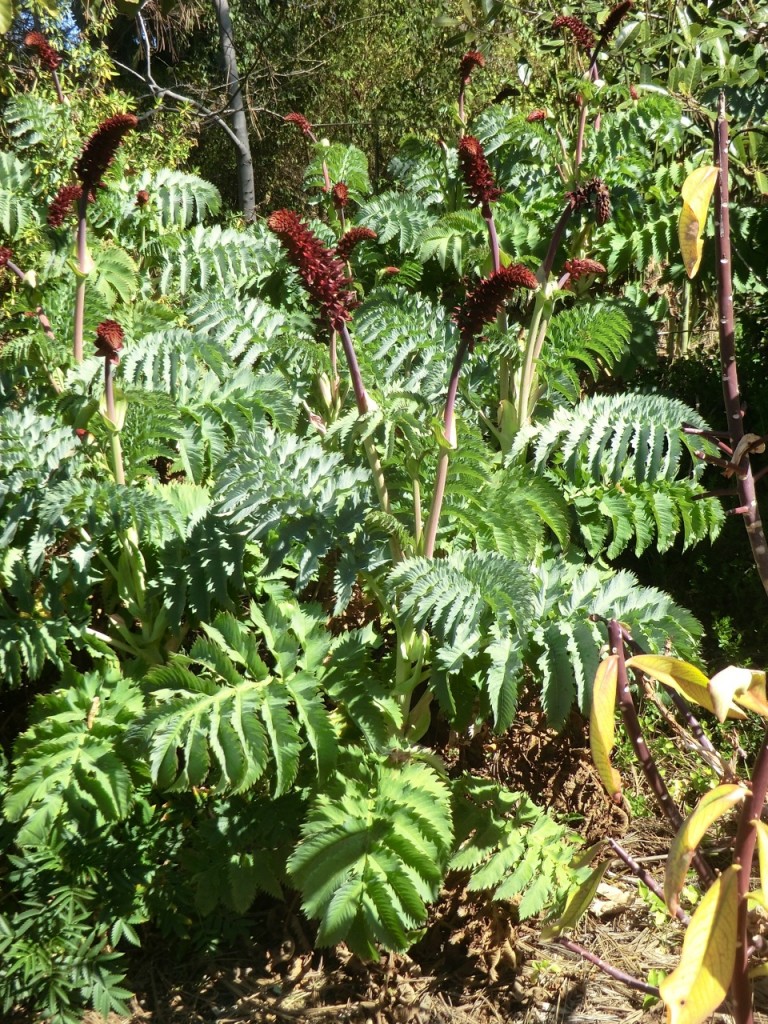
279, 498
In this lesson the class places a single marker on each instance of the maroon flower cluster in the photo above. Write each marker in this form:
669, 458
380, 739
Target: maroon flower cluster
5, 255
49, 58
594, 192
109, 340
615, 16
340, 195
301, 123
471, 60
321, 270
142, 197
350, 239
100, 149
62, 203
584, 36
482, 305
478, 176
536, 115
580, 268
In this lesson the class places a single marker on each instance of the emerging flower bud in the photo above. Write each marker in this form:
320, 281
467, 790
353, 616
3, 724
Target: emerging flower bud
584, 36
49, 58
634, 94
100, 149
320, 269
301, 123
390, 271
478, 176
109, 340
482, 305
340, 194
62, 203
594, 192
615, 17
581, 268
537, 115
471, 60
142, 197
350, 239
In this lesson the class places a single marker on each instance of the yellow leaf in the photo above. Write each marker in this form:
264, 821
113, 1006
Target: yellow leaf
696, 192
576, 905
741, 685
697, 986
681, 676
7, 14
762, 856
601, 724
713, 805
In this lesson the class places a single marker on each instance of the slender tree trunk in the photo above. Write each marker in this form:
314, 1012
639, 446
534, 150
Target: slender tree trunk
246, 189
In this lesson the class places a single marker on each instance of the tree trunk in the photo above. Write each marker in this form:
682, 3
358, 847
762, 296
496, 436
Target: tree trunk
245, 184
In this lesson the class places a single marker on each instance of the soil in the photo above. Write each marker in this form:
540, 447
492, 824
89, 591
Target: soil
476, 963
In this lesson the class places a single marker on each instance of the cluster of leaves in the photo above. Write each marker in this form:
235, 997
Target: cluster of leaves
195, 632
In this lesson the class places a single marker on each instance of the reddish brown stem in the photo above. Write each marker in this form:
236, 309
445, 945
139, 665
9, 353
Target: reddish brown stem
632, 725
613, 972
744, 849
727, 329
645, 877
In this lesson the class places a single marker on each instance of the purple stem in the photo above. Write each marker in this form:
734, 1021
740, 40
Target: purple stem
57, 86
645, 877
461, 107
731, 392
744, 849
554, 244
82, 253
449, 432
613, 972
642, 753
358, 387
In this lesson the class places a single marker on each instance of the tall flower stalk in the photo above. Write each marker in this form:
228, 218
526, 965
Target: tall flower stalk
91, 166
478, 309
49, 58
324, 276
109, 342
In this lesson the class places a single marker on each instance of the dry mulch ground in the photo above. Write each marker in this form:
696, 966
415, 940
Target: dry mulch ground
476, 963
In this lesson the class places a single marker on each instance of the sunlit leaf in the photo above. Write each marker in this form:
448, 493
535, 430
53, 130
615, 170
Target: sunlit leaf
576, 905
741, 685
696, 193
713, 805
681, 676
698, 985
601, 724
6, 14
